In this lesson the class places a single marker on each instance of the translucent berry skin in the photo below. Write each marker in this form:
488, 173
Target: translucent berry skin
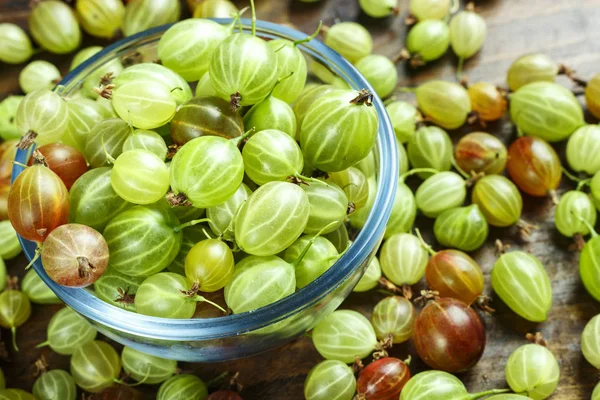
487, 101
583, 148
534, 166
38, 202
446, 103
383, 379
454, 274
449, 336
430, 385
428, 39
575, 213
54, 27
590, 342
65, 161
480, 152
463, 228
394, 316
330, 379
589, 267
529, 68
498, 199
532, 370
350, 39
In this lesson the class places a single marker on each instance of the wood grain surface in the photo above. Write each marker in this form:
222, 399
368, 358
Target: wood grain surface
568, 31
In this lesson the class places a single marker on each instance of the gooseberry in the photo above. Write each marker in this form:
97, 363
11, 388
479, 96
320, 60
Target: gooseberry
38, 74
454, 274
403, 259
498, 199
349, 39
65, 161
100, 18
380, 72
15, 45
463, 228
487, 101
36, 290
440, 192
430, 147
95, 366
394, 317
370, 278
583, 148
536, 67
383, 379
182, 387
55, 384
145, 368
532, 370
480, 152
42, 117
590, 342
428, 40
447, 104
54, 26
330, 379
67, 331
141, 15
15, 310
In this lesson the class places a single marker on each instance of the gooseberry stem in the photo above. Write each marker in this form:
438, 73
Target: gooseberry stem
246, 134
43, 344
279, 80
424, 244
459, 69
191, 223
487, 393
20, 164
593, 232
417, 171
253, 8
459, 169
38, 252
199, 298
298, 260
311, 37
13, 330
109, 158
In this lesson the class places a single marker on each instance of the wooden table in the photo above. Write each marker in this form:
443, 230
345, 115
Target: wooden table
566, 30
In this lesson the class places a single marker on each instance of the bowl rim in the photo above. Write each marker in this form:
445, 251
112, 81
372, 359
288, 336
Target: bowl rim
370, 236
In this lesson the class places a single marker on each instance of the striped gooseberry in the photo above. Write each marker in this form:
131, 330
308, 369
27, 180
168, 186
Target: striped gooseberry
582, 149
446, 103
487, 101
151, 141
16, 394
404, 210
54, 27
463, 228
143, 240
38, 74
521, 281
394, 317
429, 9
95, 366
93, 85
37, 291
532, 370
117, 289
15, 310
305, 99
209, 265
592, 95
449, 335
330, 379
93, 200
350, 39
67, 331
383, 379
214, 9
354, 183
55, 384
595, 189
144, 368
281, 203
207, 171
467, 34
404, 119
590, 342
380, 72
186, 48
272, 114
15, 46
144, 104
205, 116
427, 41
379, 8
339, 129
534, 166
403, 259
440, 192
65, 161
430, 147
277, 279
84, 114
221, 215
181, 387
343, 336
480, 152
178, 88
370, 278
535, 67
101, 18
403, 162
589, 266
339, 238
454, 274
319, 257
328, 207
575, 214
38, 201
8, 114
439, 385
105, 139
42, 117
141, 15
546, 110
498, 199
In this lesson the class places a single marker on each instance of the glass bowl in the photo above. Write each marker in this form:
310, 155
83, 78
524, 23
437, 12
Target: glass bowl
239, 335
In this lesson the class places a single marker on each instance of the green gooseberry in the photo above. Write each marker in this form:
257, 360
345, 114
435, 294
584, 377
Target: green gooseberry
354, 183
259, 281
404, 211
590, 342
94, 202
339, 238
368, 165
429, 9
84, 114
583, 148
280, 204
209, 265
343, 336
290, 60
105, 139
498, 199
379, 8
37, 291
532, 370
370, 278
403, 162
596, 393
113, 67
546, 110
575, 214
595, 189
95, 366
339, 130
358, 219
404, 119
330, 379
441, 192
145, 104
221, 215
143, 240
118, 289
328, 207
272, 113
462, 228
403, 259
54, 26
439, 385
9, 241
15, 45
8, 112
380, 72
191, 236
38, 74
530, 68
144, 368
42, 116
54, 385
305, 99
430, 147
151, 141
589, 266
350, 39
182, 387
67, 331
467, 33
521, 281
16, 394
394, 317
204, 88
446, 103
145, 14
3, 274
15, 310
321, 255
428, 40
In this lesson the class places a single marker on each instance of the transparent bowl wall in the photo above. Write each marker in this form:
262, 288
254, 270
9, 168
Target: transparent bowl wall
240, 335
